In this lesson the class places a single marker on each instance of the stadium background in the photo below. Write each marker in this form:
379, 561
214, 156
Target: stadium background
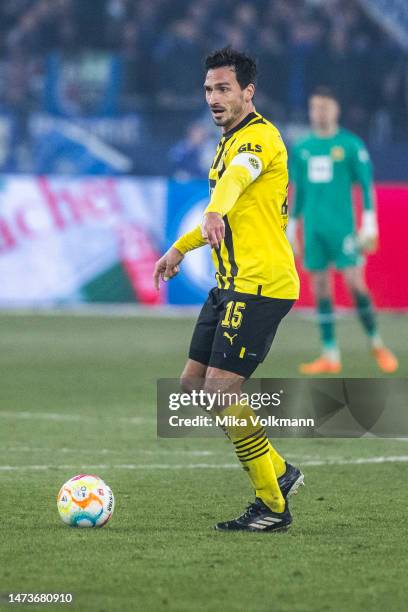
105, 140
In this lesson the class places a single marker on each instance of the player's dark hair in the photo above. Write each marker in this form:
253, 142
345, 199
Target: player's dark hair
244, 66
324, 92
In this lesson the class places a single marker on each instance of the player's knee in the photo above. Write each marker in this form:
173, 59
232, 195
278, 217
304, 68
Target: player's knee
191, 381
350, 284
192, 377
187, 384
220, 380
355, 283
322, 286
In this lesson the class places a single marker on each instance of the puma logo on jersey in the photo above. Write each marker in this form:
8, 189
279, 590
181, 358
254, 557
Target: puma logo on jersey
230, 338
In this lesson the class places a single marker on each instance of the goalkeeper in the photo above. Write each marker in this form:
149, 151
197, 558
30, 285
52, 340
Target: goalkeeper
324, 167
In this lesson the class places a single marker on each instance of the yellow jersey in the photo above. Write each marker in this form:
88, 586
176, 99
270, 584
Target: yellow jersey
248, 186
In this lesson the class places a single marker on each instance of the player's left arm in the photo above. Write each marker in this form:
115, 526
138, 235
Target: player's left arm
363, 175
244, 168
229, 188
297, 179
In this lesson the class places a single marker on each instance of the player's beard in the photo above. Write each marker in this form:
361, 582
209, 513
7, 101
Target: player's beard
325, 125
228, 117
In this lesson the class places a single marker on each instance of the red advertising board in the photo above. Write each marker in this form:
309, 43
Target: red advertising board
386, 270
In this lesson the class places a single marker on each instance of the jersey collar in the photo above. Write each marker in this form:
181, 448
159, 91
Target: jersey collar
240, 125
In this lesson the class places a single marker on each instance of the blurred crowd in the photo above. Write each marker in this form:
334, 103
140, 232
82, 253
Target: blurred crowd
161, 44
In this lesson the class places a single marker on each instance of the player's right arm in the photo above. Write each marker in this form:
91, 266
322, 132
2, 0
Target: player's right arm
296, 178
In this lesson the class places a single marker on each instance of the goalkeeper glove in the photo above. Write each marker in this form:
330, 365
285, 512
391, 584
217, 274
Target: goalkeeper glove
368, 234
292, 236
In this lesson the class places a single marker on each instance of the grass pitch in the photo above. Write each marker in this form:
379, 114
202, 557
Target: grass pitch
78, 394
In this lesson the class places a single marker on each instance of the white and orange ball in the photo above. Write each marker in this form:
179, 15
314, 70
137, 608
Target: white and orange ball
85, 501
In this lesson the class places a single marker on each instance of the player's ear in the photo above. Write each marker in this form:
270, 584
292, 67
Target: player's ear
338, 110
249, 92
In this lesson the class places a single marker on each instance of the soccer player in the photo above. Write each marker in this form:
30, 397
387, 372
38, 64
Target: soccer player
257, 282
324, 167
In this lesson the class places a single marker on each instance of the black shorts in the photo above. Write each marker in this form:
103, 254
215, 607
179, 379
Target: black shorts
234, 331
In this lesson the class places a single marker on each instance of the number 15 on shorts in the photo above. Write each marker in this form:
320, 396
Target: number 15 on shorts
233, 315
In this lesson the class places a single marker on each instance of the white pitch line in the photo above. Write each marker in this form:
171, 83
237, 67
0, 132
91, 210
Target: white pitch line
63, 450
138, 451
358, 461
58, 416
122, 311
144, 451
105, 451
211, 466
49, 416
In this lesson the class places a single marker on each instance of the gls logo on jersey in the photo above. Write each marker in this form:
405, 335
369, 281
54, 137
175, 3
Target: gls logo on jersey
250, 148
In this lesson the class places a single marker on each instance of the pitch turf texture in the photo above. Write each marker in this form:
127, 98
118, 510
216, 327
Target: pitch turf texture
78, 394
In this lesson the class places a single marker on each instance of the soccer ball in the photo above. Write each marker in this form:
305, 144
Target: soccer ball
85, 501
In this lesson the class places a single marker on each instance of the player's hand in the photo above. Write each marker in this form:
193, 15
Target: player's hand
368, 234
292, 236
167, 266
213, 229
368, 244
297, 248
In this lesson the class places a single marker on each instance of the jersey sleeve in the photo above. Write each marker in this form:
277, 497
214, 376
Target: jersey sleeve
362, 172
249, 156
228, 189
296, 177
190, 241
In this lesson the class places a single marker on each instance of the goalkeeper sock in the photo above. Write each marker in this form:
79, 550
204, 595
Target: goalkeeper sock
325, 317
253, 450
365, 312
